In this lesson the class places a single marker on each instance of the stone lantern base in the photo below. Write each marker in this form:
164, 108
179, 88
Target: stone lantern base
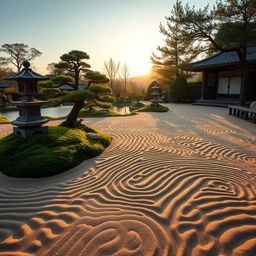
29, 131
155, 102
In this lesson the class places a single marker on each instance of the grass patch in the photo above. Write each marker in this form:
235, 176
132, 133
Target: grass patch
53, 117
4, 119
138, 105
48, 154
152, 108
97, 113
123, 100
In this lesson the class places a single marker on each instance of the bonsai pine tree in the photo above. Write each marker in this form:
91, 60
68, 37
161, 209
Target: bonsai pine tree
62, 79
46, 84
96, 94
50, 92
74, 64
94, 79
103, 96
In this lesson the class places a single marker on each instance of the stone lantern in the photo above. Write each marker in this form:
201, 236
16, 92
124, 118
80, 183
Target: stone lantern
164, 96
29, 123
155, 93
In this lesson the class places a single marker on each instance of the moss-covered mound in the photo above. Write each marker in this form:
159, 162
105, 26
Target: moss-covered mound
121, 100
4, 119
54, 117
152, 108
47, 154
97, 113
138, 105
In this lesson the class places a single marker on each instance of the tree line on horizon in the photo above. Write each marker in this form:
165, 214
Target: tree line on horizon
118, 73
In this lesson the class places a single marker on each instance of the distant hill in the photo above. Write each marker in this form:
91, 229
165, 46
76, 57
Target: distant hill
136, 84
139, 83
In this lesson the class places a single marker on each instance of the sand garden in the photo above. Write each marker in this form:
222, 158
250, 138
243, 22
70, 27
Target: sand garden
178, 183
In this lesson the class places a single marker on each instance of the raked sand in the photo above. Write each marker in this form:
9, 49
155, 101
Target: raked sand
179, 183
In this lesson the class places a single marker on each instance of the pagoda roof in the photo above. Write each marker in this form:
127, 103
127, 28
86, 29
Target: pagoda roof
66, 87
82, 86
70, 86
221, 59
26, 73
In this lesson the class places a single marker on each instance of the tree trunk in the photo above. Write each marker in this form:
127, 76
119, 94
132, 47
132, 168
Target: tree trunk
73, 115
244, 84
76, 79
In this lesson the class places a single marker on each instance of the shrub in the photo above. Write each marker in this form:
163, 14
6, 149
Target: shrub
179, 90
152, 108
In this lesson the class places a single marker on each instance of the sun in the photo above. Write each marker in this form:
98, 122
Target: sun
137, 57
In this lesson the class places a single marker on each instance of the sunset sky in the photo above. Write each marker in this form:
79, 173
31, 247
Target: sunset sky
127, 31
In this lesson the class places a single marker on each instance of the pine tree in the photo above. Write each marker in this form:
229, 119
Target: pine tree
176, 52
74, 63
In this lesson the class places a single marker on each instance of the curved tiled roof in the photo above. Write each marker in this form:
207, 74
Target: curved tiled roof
65, 87
223, 58
25, 73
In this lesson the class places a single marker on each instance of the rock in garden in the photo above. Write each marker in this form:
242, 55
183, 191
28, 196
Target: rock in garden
93, 136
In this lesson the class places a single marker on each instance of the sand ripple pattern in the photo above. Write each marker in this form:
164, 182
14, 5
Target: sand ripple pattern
151, 194
3, 131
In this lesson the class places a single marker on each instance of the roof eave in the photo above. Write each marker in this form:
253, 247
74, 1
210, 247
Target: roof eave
201, 68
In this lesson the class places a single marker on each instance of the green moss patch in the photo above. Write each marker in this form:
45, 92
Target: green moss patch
152, 108
97, 113
138, 105
4, 119
53, 117
121, 100
48, 154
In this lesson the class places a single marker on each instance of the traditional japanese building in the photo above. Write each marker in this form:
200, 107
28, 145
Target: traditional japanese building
222, 75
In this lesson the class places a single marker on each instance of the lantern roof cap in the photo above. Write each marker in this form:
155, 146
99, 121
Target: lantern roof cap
26, 73
155, 87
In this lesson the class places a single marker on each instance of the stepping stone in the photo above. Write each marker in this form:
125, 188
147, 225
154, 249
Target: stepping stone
93, 136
